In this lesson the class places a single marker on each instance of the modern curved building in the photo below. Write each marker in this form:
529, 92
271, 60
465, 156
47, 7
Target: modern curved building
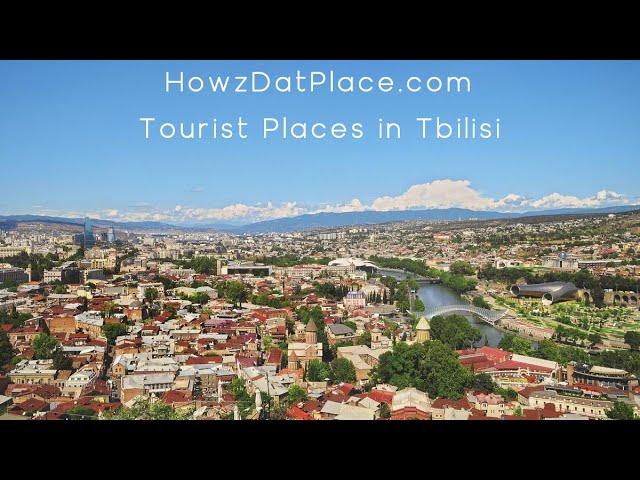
550, 292
358, 263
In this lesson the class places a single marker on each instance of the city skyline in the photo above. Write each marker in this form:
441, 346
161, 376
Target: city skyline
561, 123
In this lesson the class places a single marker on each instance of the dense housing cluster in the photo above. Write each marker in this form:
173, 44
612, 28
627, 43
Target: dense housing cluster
101, 322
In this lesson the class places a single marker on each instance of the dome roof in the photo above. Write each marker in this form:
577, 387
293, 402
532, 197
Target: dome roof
135, 304
311, 326
356, 262
423, 324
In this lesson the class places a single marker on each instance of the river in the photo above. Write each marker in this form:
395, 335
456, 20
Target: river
437, 295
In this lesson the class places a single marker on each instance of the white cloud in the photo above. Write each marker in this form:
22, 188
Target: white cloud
437, 194
557, 200
459, 193
354, 205
443, 193
242, 211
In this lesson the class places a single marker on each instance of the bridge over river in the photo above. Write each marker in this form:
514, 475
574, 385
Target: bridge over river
489, 316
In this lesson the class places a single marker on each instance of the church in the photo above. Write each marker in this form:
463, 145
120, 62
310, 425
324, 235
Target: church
300, 353
423, 331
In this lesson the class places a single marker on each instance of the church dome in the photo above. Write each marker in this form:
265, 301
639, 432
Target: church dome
423, 324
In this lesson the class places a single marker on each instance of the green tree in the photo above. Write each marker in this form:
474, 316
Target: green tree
597, 293
109, 308
236, 292
418, 305
150, 294
364, 339
621, 411
317, 371
479, 301
237, 388
484, 383
203, 265
6, 350
633, 339
515, 344
61, 360
508, 394
278, 411
146, 409
81, 413
296, 394
623, 359
246, 402
351, 324
443, 374
461, 268
342, 370
44, 346
549, 350
201, 298
113, 331
13, 318
454, 330
385, 411
594, 338
431, 366
290, 324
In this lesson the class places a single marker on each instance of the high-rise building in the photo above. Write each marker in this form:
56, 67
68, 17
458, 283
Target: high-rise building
111, 236
89, 240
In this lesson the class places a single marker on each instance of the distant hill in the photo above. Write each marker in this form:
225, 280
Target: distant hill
329, 220
14, 219
332, 220
318, 220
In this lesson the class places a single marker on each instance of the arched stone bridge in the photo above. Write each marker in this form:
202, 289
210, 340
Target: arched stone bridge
489, 316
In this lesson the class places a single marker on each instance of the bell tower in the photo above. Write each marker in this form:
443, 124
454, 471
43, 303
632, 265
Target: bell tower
311, 333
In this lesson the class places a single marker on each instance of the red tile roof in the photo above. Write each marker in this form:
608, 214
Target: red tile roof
247, 361
381, 396
462, 404
275, 356
175, 396
549, 411
312, 406
345, 388
527, 391
296, 413
494, 354
29, 406
204, 360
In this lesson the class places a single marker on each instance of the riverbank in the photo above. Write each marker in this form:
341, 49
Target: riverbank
441, 295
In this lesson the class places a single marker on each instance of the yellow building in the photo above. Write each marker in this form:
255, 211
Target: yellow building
423, 331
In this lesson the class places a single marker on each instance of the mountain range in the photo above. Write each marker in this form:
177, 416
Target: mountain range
319, 220
331, 220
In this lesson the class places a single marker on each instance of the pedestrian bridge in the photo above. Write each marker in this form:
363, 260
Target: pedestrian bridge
489, 316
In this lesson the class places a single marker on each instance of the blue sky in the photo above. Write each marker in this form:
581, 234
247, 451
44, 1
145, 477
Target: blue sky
71, 142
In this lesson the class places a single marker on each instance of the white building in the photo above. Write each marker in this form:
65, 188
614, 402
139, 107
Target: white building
77, 382
354, 300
